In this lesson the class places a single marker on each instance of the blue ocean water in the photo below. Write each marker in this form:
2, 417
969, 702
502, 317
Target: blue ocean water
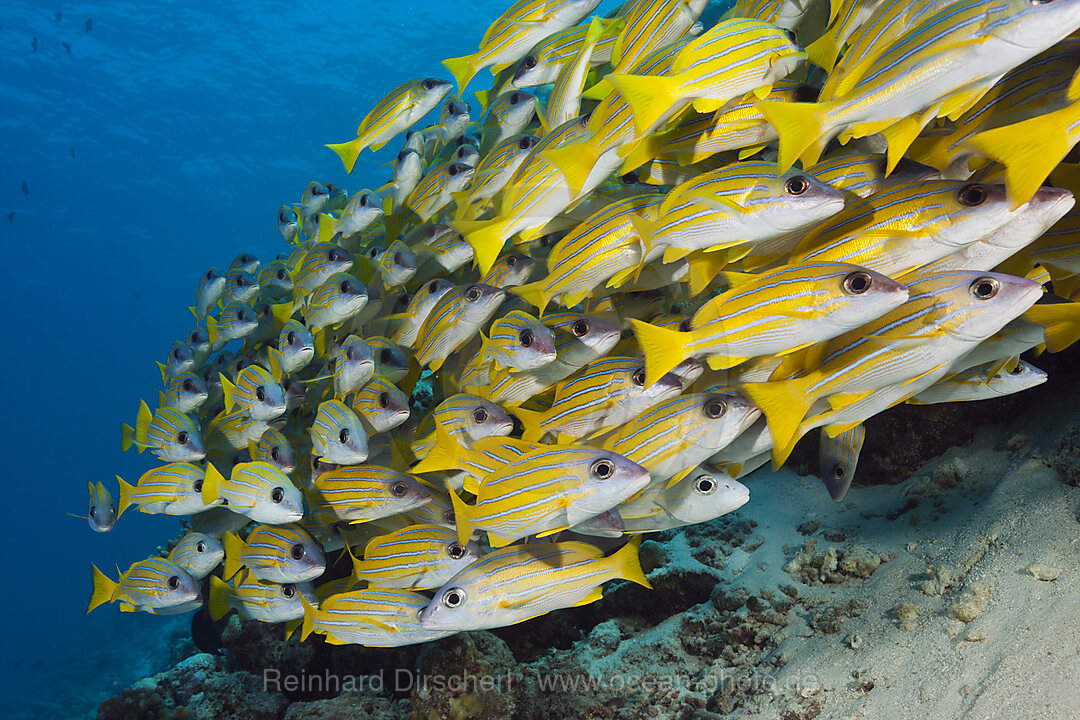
161, 144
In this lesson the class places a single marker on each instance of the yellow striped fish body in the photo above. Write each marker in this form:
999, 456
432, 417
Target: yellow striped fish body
507, 117
419, 557
242, 286
409, 169
287, 223
1037, 87
454, 319
509, 38
602, 247
230, 432
169, 434
101, 514
946, 316
731, 59
518, 341
375, 617
699, 497
783, 13
295, 348
337, 434
606, 393
545, 490
255, 392
275, 448
338, 299
564, 101
277, 553
257, 599
459, 421
197, 554
491, 175
1058, 251
312, 200
354, 364
154, 585
846, 18
181, 358
185, 392
1046, 207
359, 493
775, 313
675, 436
864, 174
210, 291
399, 110
453, 119
258, 490
237, 320
445, 246
318, 264
420, 306
440, 511
543, 63
579, 339
380, 405
938, 68
275, 279
974, 384
651, 25
904, 228
361, 212
509, 271
435, 191
837, 459
743, 204
517, 583
535, 193
391, 359
173, 489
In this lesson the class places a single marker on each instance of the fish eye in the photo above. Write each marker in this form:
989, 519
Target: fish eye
373, 253
453, 170
240, 315
209, 274
433, 287
363, 201
385, 356
630, 178
296, 551
1018, 370
529, 61
684, 326
480, 415
188, 386
193, 337
182, 437
384, 399
455, 550
984, 288
581, 328
291, 337
176, 354
399, 489
705, 485
584, 120
200, 546
275, 455
453, 597
451, 109
525, 337
349, 354
260, 394
277, 495
806, 93
512, 261
197, 485
973, 195
239, 365
797, 185
281, 275
401, 156
715, 408
288, 590
515, 98
408, 136
525, 143
240, 281
331, 256
397, 258
346, 288
286, 384
343, 436
472, 294
173, 582
602, 469
790, 35
839, 471
280, 218
93, 511
857, 283
428, 84
449, 518
639, 377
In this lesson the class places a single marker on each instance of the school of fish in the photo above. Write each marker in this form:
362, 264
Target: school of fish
641, 264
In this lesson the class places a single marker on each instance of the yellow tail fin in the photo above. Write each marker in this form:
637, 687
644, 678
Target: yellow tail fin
486, 238
801, 127
220, 592
575, 161
824, 52
663, 348
534, 293
123, 502
1029, 150
348, 152
1060, 323
649, 97
104, 589
228, 388
212, 329
628, 564
785, 404
444, 455
234, 550
461, 516
212, 483
127, 437
308, 626
463, 69
142, 424
533, 423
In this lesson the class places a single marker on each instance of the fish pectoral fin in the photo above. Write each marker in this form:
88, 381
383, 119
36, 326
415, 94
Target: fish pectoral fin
595, 594
678, 477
